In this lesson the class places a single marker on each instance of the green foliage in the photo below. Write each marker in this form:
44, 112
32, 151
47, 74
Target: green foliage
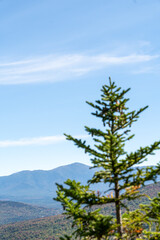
151, 213
143, 222
114, 164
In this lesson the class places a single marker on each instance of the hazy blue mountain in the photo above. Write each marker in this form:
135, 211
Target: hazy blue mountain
38, 187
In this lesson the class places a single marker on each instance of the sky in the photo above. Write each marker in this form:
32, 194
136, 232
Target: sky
55, 55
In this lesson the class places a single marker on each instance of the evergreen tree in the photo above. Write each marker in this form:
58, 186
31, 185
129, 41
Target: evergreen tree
113, 165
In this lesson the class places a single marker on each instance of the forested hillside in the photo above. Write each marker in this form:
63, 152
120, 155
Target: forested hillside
11, 212
55, 226
43, 228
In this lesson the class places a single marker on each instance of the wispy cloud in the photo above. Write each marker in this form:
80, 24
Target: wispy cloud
47, 140
148, 69
56, 68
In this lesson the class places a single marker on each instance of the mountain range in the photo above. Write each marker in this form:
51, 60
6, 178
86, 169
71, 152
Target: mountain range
38, 187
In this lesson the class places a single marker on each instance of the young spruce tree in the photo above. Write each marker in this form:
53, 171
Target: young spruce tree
113, 165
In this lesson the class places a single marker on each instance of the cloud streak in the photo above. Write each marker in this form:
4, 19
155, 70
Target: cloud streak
38, 141
54, 68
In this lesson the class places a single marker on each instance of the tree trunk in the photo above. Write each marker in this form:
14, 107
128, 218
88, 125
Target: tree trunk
118, 211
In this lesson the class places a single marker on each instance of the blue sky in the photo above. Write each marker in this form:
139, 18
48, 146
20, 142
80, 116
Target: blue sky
55, 55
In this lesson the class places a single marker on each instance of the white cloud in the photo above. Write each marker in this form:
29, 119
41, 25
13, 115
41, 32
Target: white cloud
37, 141
57, 68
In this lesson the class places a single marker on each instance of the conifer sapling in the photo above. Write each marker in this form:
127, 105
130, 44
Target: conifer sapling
114, 166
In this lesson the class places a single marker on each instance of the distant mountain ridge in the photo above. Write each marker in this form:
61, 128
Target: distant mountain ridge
38, 187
